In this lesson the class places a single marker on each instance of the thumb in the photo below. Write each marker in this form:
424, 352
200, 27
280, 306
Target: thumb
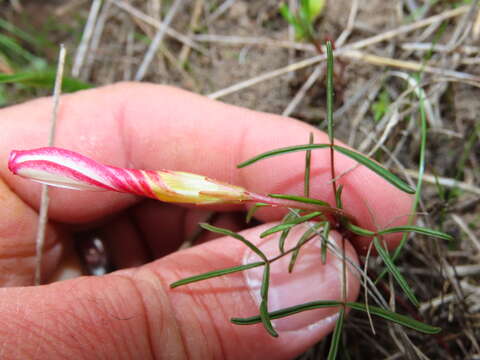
134, 314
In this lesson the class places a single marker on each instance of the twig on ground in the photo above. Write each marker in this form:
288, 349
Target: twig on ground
314, 76
158, 25
197, 11
96, 37
220, 11
464, 227
409, 65
447, 182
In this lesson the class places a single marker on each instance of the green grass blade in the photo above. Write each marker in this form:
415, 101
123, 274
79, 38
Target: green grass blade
264, 315
253, 210
301, 199
418, 230
288, 311
308, 165
331, 136
290, 224
215, 273
233, 234
337, 333
397, 318
394, 271
323, 246
292, 20
303, 16
11, 45
375, 167
421, 171
7, 26
281, 151
44, 79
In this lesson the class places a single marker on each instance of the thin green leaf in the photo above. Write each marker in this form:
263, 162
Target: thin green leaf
307, 235
253, 210
301, 199
282, 151
325, 236
375, 167
265, 282
418, 230
374, 310
283, 236
362, 159
267, 323
337, 333
421, 170
359, 231
330, 92
45, 79
264, 315
288, 311
304, 20
19, 32
11, 45
290, 224
308, 163
397, 318
215, 273
233, 234
338, 197
394, 271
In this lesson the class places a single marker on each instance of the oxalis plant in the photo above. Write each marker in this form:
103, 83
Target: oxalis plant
64, 168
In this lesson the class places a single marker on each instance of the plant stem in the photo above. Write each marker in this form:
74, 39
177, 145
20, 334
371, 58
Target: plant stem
334, 213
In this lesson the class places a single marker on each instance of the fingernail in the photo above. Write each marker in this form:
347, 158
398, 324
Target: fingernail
310, 280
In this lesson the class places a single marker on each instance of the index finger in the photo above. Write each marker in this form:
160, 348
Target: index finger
152, 127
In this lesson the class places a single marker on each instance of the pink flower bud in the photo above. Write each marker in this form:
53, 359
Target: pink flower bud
65, 168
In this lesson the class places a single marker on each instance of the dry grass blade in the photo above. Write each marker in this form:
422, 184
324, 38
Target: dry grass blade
44, 200
157, 24
149, 55
86, 36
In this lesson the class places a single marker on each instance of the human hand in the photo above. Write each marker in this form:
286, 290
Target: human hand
132, 313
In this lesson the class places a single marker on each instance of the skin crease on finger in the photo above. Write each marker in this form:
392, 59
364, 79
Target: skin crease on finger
122, 126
